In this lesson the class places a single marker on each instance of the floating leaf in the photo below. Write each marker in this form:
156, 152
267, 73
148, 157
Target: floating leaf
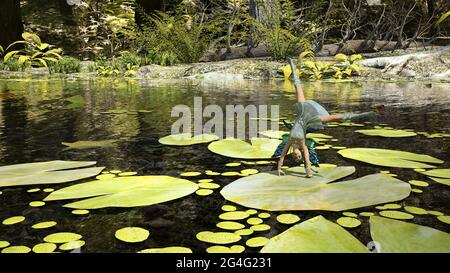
367, 214
62, 237
396, 214
221, 238
350, 214
444, 219
50, 172
348, 222
230, 225
264, 215
254, 221
187, 139
204, 192
444, 181
224, 249
233, 164
288, 218
418, 183
90, 144
260, 227
273, 134
251, 211
260, 148
435, 213
127, 173
442, 173
4, 244
278, 193
400, 237
249, 171
417, 190
48, 190
386, 133
36, 204
72, 245
105, 176
13, 220
389, 206
257, 242
415, 210
41, 225
115, 171
234, 215
132, 191
80, 212
208, 185
16, 249
170, 249
244, 232
389, 158
44, 248
317, 235
228, 208
33, 190
190, 174
132, 234
230, 174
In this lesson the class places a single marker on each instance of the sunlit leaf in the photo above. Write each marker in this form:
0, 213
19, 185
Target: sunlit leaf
90, 144
132, 234
187, 139
386, 133
260, 148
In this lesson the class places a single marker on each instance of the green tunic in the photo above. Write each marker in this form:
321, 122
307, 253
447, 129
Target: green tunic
308, 118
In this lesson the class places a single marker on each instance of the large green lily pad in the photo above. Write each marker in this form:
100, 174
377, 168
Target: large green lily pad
260, 148
317, 235
442, 173
444, 181
386, 133
278, 193
390, 158
49, 172
401, 237
90, 144
132, 191
187, 139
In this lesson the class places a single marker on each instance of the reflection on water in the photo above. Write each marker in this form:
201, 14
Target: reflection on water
35, 117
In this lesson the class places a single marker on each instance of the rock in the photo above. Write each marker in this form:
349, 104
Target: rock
407, 73
219, 77
38, 71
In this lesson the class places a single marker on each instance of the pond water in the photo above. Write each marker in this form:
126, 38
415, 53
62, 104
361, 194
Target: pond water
36, 117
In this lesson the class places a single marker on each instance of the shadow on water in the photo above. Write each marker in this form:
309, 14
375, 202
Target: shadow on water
36, 115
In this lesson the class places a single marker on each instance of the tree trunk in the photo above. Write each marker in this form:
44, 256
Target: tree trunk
147, 7
11, 22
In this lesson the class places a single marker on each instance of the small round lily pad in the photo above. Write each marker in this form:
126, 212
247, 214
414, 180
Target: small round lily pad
244, 232
224, 249
4, 244
62, 237
234, 215
228, 208
257, 242
249, 171
288, 218
131, 234
230, 225
208, 185
415, 210
251, 211
444, 219
254, 221
13, 220
44, 248
418, 183
264, 215
205, 180
435, 213
16, 249
170, 249
36, 204
72, 245
105, 176
80, 211
350, 214
115, 171
260, 227
389, 206
233, 164
190, 174
48, 190
396, 214
348, 222
127, 173
42, 225
204, 192
366, 214
230, 174
417, 190
221, 238
34, 190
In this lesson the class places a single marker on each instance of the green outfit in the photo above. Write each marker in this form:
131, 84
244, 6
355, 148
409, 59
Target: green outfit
308, 118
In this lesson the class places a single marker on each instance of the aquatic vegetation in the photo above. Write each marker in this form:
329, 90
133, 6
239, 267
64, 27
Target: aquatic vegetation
348, 222
388, 206
221, 238
36, 204
76, 102
444, 181
244, 232
415, 210
260, 227
317, 235
170, 249
257, 242
366, 214
127, 173
228, 208
386, 133
204, 192
444, 219
16, 249
105, 176
224, 249
187, 139
233, 164
49, 172
90, 144
42, 225
260, 148
205, 180
4, 244
234, 215
208, 185
72, 245
80, 212
13, 220
396, 214
350, 214
230, 225
390, 158
48, 190
132, 191
418, 183
277, 193
33, 190
401, 237
254, 221
190, 174
44, 248
132, 234
62, 237
288, 218
442, 173
273, 134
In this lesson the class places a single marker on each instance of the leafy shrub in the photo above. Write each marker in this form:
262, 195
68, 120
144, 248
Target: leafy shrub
13, 65
66, 65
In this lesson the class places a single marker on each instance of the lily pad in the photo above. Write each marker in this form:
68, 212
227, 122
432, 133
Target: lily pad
288, 218
264, 215
230, 225
132, 191
244, 232
204, 192
190, 174
220, 238
4, 244
444, 181
386, 133
132, 234
187, 139
13, 220
224, 249
208, 185
228, 208
279, 193
418, 183
62, 237
390, 158
389, 206
234, 215
80, 211
36, 204
400, 237
72, 245
350, 214
254, 221
233, 164
444, 219
90, 144
42, 225
348, 222
416, 210
44, 248
257, 242
366, 214
50, 172
442, 173
260, 148
16, 249
273, 134
260, 227
170, 249
396, 214
317, 235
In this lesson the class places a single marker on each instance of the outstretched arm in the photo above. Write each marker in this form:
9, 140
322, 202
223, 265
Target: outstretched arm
297, 82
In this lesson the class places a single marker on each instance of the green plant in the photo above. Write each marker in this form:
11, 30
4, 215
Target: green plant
35, 52
348, 65
108, 71
13, 65
65, 65
130, 70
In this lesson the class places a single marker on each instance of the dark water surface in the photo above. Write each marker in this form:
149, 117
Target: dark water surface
35, 118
